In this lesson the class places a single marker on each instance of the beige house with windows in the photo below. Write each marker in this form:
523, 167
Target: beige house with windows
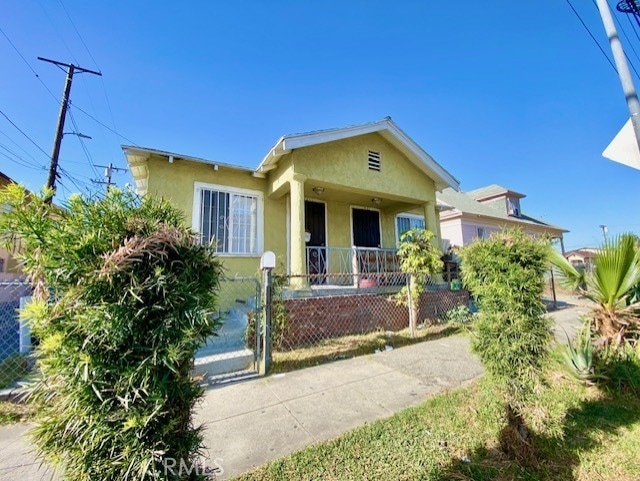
466, 216
331, 204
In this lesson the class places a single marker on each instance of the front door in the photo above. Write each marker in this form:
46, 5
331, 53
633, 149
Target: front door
315, 224
366, 228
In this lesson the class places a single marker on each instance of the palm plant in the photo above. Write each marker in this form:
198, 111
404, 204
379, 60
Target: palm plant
611, 285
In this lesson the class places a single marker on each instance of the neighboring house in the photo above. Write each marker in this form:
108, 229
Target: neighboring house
465, 216
9, 267
331, 204
583, 258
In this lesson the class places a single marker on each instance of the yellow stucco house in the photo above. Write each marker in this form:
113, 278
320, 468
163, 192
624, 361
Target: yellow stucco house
331, 204
9, 266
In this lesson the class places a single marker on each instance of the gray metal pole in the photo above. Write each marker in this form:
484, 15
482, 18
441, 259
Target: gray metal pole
623, 68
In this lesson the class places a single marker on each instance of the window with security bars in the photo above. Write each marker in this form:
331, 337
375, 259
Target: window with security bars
374, 160
229, 221
405, 222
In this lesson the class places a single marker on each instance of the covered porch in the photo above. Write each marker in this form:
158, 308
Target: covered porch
345, 237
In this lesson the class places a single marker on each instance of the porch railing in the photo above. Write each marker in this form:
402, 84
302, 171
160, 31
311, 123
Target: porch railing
353, 266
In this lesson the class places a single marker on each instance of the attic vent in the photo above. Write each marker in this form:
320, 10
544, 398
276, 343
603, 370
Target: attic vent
374, 161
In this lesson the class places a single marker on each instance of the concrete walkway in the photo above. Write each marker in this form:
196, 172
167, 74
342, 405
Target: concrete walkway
252, 422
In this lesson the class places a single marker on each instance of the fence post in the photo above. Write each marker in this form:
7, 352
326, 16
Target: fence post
25, 332
267, 264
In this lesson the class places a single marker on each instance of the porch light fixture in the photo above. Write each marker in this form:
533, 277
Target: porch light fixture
376, 200
318, 190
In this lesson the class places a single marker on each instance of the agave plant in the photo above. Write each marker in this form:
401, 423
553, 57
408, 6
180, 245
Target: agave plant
578, 356
611, 285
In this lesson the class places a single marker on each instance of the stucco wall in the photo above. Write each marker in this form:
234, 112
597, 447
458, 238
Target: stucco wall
345, 162
175, 182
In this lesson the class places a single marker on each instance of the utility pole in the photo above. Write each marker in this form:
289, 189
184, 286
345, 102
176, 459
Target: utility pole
64, 105
604, 231
108, 172
621, 66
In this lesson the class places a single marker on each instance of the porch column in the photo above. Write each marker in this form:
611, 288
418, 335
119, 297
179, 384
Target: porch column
298, 245
433, 222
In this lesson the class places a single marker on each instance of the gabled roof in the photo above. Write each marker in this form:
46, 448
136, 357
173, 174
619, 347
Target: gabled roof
493, 190
385, 127
465, 203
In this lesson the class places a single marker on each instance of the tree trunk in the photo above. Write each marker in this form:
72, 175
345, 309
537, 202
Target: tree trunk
515, 439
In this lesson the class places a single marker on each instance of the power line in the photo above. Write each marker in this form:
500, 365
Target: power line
20, 147
84, 147
25, 162
22, 132
28, 166
86, 47
79, 36
624, 32
104, 125
29, 66
592, 36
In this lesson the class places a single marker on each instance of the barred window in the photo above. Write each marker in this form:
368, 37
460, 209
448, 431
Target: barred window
228, 221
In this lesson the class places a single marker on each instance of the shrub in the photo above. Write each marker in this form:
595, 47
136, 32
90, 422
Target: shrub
459, 315
420, 259
505, 273
131, 293
579, 356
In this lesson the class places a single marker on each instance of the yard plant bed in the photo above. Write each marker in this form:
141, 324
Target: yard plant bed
580, 433
345, 347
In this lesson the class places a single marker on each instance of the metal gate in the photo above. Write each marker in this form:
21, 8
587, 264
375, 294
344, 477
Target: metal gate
234, 352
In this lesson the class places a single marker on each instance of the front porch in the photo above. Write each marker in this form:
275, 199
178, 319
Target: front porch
345, 237
359, 267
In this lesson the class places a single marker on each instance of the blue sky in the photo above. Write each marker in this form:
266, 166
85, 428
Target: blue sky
496, 92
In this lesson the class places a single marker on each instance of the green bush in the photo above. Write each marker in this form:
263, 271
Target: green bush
505, 273
420, 259
619, 367
131, 293
459, 315
578, 355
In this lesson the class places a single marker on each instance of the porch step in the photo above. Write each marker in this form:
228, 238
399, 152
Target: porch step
223, 363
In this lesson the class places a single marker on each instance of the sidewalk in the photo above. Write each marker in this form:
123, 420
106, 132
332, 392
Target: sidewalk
255, 421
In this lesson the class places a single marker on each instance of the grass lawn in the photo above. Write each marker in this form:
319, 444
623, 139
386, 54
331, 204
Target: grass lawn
14, 412
357, 345
582, 434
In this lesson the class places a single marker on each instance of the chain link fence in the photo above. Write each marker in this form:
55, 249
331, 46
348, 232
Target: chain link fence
314, 321
15, 338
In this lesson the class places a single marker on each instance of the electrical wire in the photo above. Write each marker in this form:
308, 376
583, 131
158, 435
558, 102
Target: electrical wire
104, 125
591, 35
79, 36
29, 66
22, 132
624, 33
25, 162
86, 47
20, 147
15, 161
82, 143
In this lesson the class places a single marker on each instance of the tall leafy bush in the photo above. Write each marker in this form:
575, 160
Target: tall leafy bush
420, 259
511, 335
123, 297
